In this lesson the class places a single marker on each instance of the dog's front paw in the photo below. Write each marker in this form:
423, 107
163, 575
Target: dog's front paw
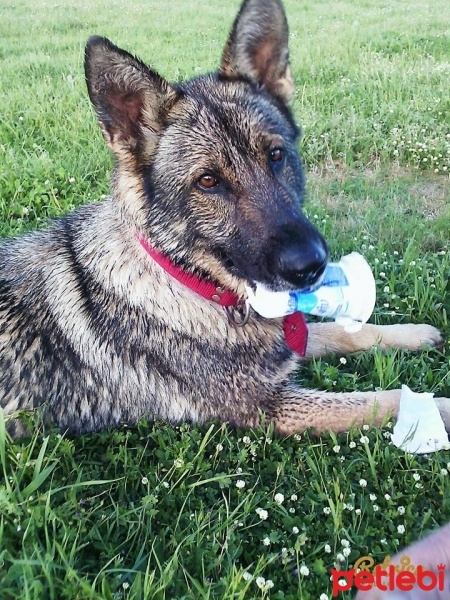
412, 337
426, 335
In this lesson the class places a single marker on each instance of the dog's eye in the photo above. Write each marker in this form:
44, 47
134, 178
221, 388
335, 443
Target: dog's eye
276, 155
208, 181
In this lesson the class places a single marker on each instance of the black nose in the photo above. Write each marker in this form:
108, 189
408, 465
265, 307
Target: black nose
303, 263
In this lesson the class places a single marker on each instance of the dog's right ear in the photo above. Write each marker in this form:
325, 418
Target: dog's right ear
131, 100
257, 48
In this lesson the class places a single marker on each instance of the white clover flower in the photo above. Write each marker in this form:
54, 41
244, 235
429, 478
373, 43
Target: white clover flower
365, 427
416, 476
340, 557
348, 507
345, 543
304, 570
125, 585
375, 507
292, 511
294, 497
144, 481
165, 484
352, 445
219, 447
346, 551
326, 510
240, 484
269, 584
279, 498
178, 463
246, 439
444, 472
262, 514
295, 530
247, 576
363, 483
71, 179
266, 541
401, 529
343, 360
260, 582
323, 597
372, 497
357, 511
419, 486
364, 439
387, 497
327, 548
336, 448
401, 510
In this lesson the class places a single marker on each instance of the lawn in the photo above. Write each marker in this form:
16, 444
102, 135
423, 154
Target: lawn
209, 512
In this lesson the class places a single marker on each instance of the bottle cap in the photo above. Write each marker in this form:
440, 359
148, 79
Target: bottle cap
361, 292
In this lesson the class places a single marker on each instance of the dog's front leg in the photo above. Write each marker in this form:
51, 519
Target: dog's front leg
297, 409
327, 338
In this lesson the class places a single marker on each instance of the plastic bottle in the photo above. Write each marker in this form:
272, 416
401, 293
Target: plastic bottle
346, 293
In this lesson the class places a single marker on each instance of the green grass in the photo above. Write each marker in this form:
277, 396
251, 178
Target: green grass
159, 511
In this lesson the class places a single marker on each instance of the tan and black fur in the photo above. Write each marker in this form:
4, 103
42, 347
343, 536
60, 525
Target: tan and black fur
98, 334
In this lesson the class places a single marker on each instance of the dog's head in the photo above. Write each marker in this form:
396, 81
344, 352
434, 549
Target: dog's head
212, 162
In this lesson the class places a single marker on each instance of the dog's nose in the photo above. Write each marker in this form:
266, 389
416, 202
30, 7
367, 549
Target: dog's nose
302, 264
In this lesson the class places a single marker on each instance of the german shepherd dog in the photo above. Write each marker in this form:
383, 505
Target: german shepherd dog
135, 306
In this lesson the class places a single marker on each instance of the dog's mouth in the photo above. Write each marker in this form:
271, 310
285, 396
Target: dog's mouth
304, 279
310, 280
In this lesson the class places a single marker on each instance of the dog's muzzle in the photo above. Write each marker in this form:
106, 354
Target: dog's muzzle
302, 264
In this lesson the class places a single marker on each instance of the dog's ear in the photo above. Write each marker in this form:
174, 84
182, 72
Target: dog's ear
130, 99
257, 48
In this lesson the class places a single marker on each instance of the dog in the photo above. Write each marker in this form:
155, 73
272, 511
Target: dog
135, 306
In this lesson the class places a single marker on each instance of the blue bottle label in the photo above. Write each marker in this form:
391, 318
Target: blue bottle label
302, 302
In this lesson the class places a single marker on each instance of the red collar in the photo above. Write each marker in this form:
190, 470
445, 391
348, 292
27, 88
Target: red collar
294, 326
203, 287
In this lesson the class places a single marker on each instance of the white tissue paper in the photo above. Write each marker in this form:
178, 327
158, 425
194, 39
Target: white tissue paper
419, 428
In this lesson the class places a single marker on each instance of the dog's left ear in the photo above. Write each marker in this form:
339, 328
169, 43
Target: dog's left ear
257, 48
131, 100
